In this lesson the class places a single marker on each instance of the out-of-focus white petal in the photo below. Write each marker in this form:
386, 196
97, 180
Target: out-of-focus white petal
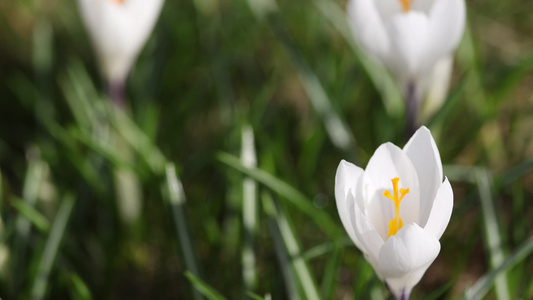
389, 162
412, 249
408, 43
404, 285
119, 31
145, 14
409, 35
346, 180
424, 155
387, 9
422, 5
371, 241
442, 210
368, 28
437, 86
447, 22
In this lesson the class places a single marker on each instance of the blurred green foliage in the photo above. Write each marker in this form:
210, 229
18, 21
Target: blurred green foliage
291, 73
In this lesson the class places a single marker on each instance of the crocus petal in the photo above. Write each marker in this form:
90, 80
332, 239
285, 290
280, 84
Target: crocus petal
370, 240
405, 257
387, 9
437, 86
389, 162
424, 155
368, 27
422, 5
409, 34
401, 287
445, 29
346, 180
119, 31
145, 15
108, 27
442, 210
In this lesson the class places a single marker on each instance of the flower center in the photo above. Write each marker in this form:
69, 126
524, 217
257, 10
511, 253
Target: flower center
406, 5
396, 223
118, 1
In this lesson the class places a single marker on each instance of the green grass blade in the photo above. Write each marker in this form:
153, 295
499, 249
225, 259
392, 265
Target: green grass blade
286, 191
81, 95
85, 167
34, 177
79, 289
478, 101
520, 219
517, 75
329, 281
284, 261
438, 293
290, 243
107, 150
517, 172
467, 56
249, 210
326, 248
203, 287
176, 198
35, 217
128, 190
78, 103
87, 107
254, 296
263, 8
462, 173
32, 183
492, 233
138, 140
483, 285
338, 132
51, 248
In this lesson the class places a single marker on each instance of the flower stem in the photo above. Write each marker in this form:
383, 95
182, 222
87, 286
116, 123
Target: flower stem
116, 91
404, 297
412, 109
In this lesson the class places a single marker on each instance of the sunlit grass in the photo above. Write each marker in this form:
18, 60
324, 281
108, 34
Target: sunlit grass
291, 75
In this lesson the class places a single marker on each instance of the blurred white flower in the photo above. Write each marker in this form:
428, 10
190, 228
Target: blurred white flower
408, 36
119, 29
437, 87
397, 209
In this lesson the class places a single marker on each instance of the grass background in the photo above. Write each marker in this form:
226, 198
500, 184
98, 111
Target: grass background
215, 74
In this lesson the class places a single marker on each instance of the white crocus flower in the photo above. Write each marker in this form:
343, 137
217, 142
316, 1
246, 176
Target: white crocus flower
408, 36
397, 209
119, 29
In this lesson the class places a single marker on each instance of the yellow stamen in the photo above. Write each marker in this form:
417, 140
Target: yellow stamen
118, 1
406, 5
396, 223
